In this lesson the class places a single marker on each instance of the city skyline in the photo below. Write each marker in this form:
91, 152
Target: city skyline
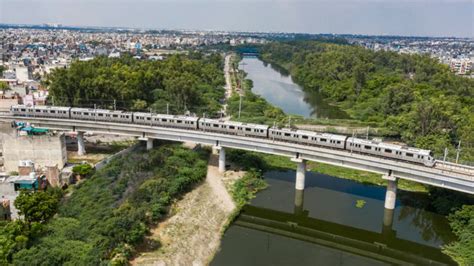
367, 17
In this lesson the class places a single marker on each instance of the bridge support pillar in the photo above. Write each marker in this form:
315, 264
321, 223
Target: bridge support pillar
221, 159
81, 147
149, 144
300, 173
299, 201
391, 194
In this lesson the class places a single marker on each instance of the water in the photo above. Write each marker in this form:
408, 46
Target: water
325, 227
279, 89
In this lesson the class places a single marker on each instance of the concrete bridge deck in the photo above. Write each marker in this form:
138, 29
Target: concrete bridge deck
458, 177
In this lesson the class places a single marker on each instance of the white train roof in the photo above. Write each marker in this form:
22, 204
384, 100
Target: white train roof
233, 123
386, 145
165, 116
311, 133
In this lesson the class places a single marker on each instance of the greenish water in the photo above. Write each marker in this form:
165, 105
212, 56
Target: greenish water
328, 225
280, 90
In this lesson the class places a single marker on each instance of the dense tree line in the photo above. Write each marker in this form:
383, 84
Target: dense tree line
413, 95
186, 82
108, 214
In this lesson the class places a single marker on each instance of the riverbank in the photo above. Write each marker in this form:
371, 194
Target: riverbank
258, 110
191, 234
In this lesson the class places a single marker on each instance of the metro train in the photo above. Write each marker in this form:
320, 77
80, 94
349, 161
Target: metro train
372, 147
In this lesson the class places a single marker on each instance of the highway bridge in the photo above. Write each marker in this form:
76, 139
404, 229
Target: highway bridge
445, 175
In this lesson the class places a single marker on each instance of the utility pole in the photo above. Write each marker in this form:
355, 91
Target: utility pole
240, 104
151, 116
115, 105
367, 137
352, 145
445, 154
458, 150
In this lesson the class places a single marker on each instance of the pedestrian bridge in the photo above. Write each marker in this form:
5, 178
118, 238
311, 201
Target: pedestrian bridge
445, 175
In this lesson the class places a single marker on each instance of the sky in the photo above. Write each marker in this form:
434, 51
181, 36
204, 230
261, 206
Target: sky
373, 17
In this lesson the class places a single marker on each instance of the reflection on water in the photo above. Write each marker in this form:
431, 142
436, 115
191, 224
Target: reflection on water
324, 224
280, 90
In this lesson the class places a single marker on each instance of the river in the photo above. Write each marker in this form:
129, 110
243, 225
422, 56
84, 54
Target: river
279, 89
335, 221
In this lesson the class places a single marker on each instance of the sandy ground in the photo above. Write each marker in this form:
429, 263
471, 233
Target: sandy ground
192, 233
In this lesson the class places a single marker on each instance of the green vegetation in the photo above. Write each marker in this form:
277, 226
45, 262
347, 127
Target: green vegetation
193, 82
108, 214
462, 223
245, 188
412, 95
360, 204
36, 208
3, 86
84, 170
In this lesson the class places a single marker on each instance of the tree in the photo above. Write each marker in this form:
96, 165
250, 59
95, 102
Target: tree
84, 170
462, 224
4, 86
38, 206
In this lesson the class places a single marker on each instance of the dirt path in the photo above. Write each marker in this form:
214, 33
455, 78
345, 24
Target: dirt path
191, 236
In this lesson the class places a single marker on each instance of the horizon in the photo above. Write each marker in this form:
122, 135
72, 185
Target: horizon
414, 18
51, 26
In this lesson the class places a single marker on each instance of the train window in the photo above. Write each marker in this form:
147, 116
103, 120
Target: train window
287, 134
215, 125
248, 129
338, 142
101, 114
23, 110
148, 118
192, 123
367, 147
231, 127
304, 137
53, 112
324, 140
114, 115
164, 120
388, 151
38, 111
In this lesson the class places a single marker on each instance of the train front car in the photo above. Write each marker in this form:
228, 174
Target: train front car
390, 150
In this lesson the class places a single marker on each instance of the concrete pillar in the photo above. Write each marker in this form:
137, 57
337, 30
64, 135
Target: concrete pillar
81, 147
387, 227
300, 173
149, 144
221, 160
299, 201
391, 194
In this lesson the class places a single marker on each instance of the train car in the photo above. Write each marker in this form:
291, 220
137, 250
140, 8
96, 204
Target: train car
307, 137
390, 150
101, 115
176, 121
40, 111
233, 128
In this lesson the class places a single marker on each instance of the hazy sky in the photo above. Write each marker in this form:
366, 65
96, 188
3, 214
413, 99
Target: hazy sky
394, 17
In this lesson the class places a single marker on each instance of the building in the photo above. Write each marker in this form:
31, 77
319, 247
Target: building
461, 66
